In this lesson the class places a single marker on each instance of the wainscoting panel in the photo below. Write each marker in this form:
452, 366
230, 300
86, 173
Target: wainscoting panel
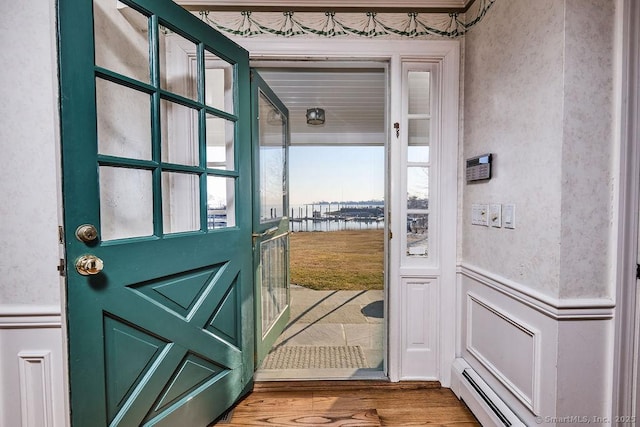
517, 369
544, 358
419, 329
32, 391
35, 388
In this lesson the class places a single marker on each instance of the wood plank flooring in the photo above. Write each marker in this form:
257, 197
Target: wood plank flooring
350, 403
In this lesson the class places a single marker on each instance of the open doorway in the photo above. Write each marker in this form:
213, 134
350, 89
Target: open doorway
337, 221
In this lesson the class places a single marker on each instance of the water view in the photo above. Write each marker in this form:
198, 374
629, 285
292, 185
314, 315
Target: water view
337, 216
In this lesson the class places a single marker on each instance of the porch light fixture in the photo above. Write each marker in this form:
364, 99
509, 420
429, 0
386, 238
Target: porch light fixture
315, 116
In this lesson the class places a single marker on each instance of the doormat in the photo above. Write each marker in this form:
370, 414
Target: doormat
315, 357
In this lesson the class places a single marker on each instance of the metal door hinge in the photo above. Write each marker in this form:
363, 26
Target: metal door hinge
637, 271
60, 234
60, 268
390, 232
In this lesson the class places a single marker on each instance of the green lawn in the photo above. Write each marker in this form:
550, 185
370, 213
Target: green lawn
338, 260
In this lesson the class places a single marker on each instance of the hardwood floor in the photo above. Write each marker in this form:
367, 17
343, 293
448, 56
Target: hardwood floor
350, 403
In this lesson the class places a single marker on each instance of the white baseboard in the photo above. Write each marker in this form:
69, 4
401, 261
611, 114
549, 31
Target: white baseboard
485, 404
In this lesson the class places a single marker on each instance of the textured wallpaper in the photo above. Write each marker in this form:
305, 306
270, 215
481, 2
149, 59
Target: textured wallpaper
28, 189
588, 149
538, 86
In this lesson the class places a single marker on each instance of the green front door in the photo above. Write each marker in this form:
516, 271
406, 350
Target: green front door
156, 150
270, 221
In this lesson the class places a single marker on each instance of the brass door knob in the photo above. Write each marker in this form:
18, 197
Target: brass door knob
88, 265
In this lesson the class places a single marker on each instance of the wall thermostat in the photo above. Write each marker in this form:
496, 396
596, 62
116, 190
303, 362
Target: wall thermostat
479, 168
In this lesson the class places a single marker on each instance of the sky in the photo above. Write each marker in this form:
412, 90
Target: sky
335, 173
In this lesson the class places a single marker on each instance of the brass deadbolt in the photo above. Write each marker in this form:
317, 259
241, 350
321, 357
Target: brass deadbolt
86, 233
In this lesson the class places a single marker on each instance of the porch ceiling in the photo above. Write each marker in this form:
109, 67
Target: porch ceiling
353, 100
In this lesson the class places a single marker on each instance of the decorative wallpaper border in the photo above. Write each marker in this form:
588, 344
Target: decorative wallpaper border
332, 24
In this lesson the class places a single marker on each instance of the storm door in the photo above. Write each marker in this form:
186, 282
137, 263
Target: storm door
156, 147
271, 219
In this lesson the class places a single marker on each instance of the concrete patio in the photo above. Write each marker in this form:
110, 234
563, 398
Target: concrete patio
344, 319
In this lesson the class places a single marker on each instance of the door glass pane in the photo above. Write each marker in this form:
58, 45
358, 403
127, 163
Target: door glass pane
221, 210
126, 203
272, 161
418, 153
417, 188
418, 150
179, 133
218, 83
220, 137
178, 64
180, 202
274, 284
121, 39
419, 98
124, 121
417, 234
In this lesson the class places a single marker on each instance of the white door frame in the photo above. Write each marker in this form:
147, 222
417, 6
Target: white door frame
626, 376
447, 54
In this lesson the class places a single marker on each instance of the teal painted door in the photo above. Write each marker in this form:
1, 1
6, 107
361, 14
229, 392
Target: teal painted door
156, 151
270, 222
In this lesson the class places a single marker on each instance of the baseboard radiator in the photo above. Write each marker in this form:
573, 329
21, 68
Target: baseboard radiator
485, 404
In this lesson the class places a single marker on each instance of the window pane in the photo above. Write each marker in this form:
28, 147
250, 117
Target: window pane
218, 83
419, 97
274, 283
220, 146
124, 121
180, 202
419, 153
417, 188
126, 203
221, 211
121, 39
418, 150
179, 133
272, 161
178, 65
417, 234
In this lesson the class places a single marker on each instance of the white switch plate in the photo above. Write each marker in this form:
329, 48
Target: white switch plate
475, 214
509, 216
484, 215
495, 215
480, 214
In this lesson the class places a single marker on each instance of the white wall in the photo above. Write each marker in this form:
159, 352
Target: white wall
31, 356
513, 109
588, 147
539, 95
29, 141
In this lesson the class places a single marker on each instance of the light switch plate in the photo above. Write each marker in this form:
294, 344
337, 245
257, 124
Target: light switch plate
475, 214
480, 214
495, 215
509, 216
484, 215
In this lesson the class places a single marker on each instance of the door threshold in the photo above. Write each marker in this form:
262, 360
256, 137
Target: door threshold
322, 385
319, 374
